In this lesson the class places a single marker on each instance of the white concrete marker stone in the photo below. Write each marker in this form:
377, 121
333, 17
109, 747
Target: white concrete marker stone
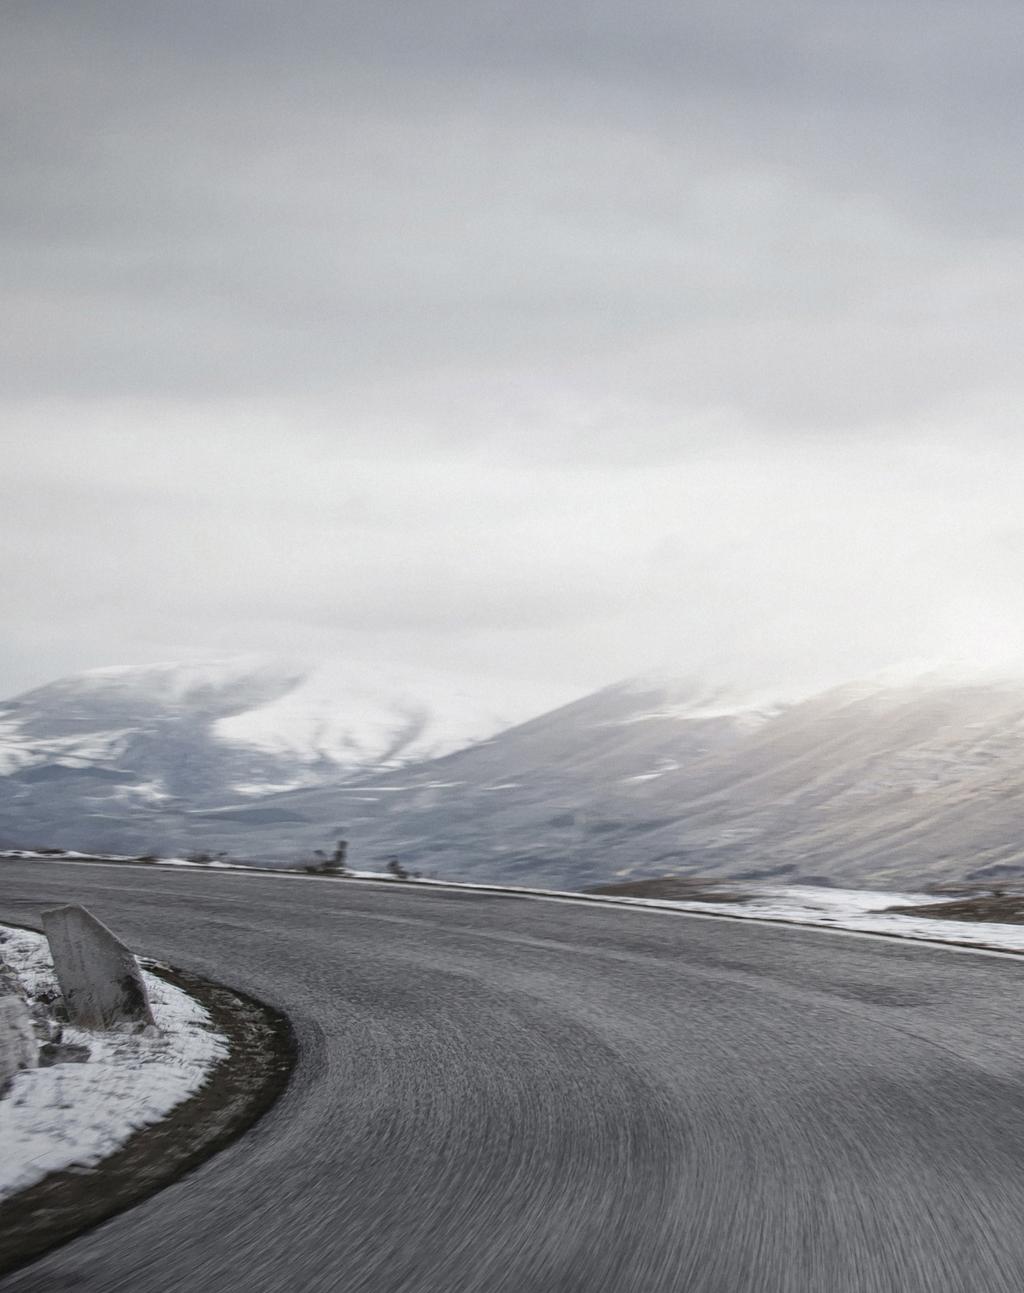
99, 977
18, 1047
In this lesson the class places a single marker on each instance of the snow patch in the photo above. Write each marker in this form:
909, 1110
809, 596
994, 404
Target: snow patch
859, 910
73, 1115
358, 714
68, 855
212, 865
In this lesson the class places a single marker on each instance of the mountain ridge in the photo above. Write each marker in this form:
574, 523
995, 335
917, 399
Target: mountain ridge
887, 780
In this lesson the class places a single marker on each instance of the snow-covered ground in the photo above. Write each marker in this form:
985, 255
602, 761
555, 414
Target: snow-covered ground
69, 855
76, 1114
854, 909
214, 864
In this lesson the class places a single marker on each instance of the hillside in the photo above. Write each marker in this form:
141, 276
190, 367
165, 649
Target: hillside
123, 757
885, 782
874, 783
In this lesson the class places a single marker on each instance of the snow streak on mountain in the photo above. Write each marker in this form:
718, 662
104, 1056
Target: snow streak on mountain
104, 754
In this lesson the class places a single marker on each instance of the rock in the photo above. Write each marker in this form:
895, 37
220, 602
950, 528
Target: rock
62, 1053
47, 1028
10, 985
18, 1048
99, 977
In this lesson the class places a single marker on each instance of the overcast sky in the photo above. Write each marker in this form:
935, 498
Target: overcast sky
538, 341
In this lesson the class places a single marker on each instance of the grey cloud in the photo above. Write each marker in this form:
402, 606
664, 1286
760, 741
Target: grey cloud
658, 209
301, 291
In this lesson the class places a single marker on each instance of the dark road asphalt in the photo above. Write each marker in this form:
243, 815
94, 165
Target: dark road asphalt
507, 1095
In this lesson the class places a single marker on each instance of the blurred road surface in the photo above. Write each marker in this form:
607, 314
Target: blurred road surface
499, 1095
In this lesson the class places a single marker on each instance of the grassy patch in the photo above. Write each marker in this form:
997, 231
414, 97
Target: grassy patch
1001, 909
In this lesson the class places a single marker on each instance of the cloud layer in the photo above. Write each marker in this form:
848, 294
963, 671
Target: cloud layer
538, 341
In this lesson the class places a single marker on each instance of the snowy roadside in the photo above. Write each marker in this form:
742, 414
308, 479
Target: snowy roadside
74, 1114
858, 910
72, 855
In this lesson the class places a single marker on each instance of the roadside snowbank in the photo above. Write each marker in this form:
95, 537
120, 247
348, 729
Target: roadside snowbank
76, 1114
214, 864
67, 855
71, 855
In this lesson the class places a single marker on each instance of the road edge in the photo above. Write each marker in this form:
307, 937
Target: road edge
655, 906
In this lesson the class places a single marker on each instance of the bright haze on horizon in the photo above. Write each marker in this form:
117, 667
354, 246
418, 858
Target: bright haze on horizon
533, 344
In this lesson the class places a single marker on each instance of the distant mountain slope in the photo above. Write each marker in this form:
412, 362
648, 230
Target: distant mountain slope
885, 782
875, 783
120, 756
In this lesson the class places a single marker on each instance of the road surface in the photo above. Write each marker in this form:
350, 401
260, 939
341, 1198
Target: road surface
514, 1096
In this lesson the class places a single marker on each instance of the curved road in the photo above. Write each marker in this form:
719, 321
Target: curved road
518, 1096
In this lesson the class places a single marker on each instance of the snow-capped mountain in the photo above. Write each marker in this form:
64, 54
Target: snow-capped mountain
887, 781
113, 753
117, 717
895, 780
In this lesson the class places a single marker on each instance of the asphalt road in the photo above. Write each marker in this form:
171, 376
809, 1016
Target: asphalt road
517, 1096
